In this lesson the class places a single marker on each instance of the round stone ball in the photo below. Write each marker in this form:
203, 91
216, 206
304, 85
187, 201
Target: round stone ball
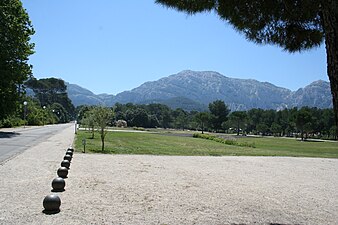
68, 157
70, 149
62, 172
52, 203
65, 163
58, 184
69, 153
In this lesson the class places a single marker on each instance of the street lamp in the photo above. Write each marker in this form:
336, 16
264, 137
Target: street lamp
44, 114
24, 112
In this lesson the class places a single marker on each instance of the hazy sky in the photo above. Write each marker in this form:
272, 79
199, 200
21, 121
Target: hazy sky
109, 46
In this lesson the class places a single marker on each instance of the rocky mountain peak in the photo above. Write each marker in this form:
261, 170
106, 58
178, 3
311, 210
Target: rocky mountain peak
202, 87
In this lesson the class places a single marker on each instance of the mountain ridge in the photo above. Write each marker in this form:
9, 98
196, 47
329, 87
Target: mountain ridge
202, 87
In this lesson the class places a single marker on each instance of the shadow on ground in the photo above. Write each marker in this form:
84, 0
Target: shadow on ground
8, 134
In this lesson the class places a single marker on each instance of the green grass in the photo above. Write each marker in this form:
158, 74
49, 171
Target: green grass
292, 147
162, 144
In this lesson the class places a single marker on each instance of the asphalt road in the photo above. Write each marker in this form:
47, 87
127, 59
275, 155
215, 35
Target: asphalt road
16, 140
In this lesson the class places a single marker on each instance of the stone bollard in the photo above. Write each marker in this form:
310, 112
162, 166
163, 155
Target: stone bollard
65, 163
69, 153
51, 203
68, 157
58, 184
62, 172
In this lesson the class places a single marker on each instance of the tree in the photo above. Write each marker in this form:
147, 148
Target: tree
262, 128
15, 48
202, 118
102, 117
254, 118
180, 118
276, 129
238, 118
327, 119
60, 113
219, 112
50, 91
153, 121
303, 120
140, 118
89, 121
292, 25
281, 119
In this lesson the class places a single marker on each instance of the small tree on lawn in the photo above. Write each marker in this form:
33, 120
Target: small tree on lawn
102, 116
89, 121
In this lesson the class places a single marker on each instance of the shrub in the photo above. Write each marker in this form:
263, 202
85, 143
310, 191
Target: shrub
11, 122
223, 141
139, 128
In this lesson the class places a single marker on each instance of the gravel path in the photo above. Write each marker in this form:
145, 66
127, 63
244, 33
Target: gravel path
135, 189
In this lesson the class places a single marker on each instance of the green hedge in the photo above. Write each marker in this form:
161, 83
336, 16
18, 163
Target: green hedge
223, 141
11, 122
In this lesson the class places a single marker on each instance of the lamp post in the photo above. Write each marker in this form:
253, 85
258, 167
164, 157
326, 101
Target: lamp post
44, 114
24, 112
53, 115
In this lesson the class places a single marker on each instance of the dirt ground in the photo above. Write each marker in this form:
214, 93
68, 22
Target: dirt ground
142, 189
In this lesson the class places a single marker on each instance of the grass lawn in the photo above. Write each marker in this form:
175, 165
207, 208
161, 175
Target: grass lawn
162, 144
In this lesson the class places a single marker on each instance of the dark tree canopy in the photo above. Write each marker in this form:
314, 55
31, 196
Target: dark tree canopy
202, 118
50, 91
238, 118
294, 25
219, 113
15, 48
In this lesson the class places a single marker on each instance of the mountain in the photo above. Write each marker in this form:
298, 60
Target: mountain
193, 90
317, 94
82, 96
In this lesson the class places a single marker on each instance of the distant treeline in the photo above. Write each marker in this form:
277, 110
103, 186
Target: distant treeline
305, 122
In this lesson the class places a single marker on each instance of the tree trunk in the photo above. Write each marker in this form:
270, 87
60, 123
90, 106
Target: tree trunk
330, 24
102, 139
92, 132
237, 127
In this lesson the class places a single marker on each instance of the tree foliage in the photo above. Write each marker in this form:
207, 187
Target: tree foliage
255, 121
303, 120
238, 119
50, 91
102, 117
15, 48
202, 119
219, 113
293, 25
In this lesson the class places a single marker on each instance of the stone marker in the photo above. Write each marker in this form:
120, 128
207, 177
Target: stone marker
51, 203
68, 157
58, 184
62, 172
65, 163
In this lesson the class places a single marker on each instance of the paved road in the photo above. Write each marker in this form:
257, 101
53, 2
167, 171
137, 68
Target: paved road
16, 140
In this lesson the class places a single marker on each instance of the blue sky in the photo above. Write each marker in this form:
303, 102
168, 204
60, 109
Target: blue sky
109, 46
